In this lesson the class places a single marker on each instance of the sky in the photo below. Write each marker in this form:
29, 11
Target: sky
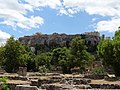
20, 18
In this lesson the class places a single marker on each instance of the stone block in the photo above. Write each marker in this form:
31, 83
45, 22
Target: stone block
22, 71
1, 85
26, 87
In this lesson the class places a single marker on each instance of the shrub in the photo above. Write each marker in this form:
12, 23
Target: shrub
98, 70
5, 84
43, 69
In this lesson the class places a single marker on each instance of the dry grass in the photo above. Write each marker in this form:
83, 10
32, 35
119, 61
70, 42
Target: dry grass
8, 74
39, 77
104, 82
18, 82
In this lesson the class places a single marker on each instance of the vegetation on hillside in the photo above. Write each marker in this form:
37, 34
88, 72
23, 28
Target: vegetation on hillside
14, 54
78, 55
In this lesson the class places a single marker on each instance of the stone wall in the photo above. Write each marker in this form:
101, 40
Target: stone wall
2, 71
26, 87
59, 82
105, 86
94, 76
22, 71
1, 85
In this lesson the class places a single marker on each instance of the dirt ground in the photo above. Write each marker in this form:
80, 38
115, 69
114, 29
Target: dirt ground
18, 82
105, 82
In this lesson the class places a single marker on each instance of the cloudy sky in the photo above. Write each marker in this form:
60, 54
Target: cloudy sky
26, 17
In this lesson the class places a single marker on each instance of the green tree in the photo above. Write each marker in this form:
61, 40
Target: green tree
105, 51
31, 62
55, 56
80, 55
14, 55
116, 50
109, 52
2, 49
43, 59
62, 57
5, 84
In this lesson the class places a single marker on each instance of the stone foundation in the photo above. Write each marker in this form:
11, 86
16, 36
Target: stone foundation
64, 87
26, 87
105, 86
94, 76
1, 85
22, 71
57, 82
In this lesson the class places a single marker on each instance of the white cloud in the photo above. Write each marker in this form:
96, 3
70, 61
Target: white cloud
110, 25
54, 4
110, 8
63, 11
32, 22
14, 14
3, 37
28, 7
100, 7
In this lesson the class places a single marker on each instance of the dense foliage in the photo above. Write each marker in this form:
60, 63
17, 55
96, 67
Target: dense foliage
42, 59
5, 84
14, 54
109, 52
62, 57
81, 58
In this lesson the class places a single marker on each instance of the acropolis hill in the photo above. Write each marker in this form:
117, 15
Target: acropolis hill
91, 38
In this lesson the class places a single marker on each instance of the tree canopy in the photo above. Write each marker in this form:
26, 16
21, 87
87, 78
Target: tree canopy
81, 57
109, 51
15, 55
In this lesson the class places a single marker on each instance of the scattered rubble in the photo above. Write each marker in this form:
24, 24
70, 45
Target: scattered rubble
54, 81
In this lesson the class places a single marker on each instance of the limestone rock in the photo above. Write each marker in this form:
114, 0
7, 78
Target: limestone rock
26, 87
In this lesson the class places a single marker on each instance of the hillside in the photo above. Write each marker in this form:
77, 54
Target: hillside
60, 40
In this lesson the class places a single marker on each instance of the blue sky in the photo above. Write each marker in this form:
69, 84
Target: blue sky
26, 17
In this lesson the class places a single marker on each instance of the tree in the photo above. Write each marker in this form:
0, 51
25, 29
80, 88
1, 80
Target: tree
15, 55
105, 51
80, 55
43, 59
31, 62
109, 52
116, 51
62, 57
2, 49
39, 48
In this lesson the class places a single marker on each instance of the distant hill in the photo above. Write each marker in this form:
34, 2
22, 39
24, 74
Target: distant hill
40, 41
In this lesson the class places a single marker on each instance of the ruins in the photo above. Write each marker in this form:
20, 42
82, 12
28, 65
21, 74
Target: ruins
56, 81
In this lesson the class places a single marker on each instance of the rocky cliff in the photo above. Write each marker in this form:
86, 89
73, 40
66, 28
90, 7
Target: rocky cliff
59, 40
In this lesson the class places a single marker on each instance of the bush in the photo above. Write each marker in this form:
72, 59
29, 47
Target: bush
43, 69
99, 70
5, 84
